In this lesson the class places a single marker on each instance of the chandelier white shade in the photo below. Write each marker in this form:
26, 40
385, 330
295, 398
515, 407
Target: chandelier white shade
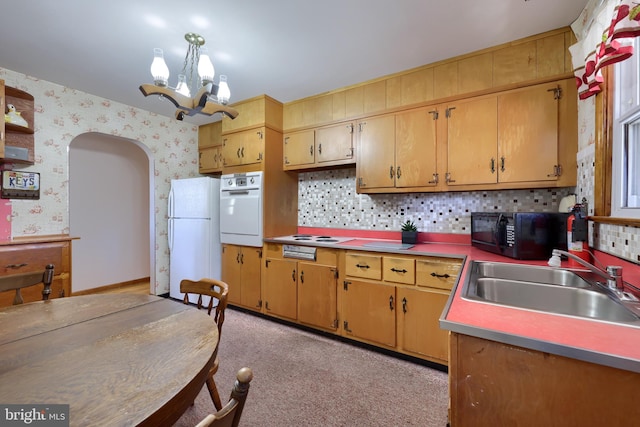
197, 76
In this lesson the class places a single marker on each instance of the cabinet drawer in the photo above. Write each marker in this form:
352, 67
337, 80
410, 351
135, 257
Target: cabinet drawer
365, 266
399, 270
26, 258
438, 273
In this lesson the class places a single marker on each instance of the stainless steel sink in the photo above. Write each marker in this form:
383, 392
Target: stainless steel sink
546, 289
530, 273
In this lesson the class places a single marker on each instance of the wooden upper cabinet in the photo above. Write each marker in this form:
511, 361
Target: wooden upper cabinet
255, 112
243, 148
210, 148
445, 79
375, 167
475, 73
471, 141
411, 88
299, 149
326, 146
528, 134
415, 148
515, 64
335, 144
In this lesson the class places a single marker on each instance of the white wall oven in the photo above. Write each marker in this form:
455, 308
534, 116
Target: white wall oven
241, 221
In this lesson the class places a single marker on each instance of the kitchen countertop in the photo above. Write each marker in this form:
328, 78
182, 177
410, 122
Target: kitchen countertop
594, 341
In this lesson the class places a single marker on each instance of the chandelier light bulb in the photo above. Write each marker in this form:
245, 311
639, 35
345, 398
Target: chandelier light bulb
205, 67
182, 87
223, 90
159, 69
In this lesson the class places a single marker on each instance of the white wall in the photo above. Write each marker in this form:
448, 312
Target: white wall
108, 210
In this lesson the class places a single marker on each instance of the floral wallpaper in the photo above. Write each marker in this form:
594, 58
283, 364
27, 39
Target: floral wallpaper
61, 114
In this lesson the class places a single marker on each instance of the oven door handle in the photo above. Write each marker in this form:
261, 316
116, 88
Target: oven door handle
237, 192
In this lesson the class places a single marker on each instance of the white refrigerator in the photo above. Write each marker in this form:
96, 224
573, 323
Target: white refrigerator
193, 231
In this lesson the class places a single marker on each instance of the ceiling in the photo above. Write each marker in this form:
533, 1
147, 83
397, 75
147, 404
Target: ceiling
288, 49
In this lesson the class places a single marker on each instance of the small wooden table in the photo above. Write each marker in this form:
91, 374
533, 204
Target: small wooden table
115, 359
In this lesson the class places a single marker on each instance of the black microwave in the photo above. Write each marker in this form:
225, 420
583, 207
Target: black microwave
519, 235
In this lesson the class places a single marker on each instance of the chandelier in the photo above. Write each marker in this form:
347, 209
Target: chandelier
196, 77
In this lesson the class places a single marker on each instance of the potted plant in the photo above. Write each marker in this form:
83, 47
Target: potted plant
409, 232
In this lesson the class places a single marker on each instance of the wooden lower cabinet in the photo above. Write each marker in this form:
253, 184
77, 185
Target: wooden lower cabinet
303, 291
33, 254
317, 295
281, 289
419, 331
241, 267
497, 384
370, 312
395, 301
392, 301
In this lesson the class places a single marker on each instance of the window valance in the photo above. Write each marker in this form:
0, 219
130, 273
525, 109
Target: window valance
604, 31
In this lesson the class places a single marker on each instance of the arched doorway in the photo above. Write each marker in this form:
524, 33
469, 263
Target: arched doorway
111, 210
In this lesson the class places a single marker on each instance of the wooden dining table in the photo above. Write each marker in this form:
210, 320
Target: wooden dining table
117, 360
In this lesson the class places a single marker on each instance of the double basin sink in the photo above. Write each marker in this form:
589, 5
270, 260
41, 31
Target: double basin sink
551, 290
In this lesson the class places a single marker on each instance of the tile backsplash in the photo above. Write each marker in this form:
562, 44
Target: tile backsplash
329, 199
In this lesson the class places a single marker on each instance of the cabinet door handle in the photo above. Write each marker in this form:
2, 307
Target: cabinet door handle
391, 302
445, 275
301, 276
311, 150
361, 126
242, 151
320, 148
395, 270
447, 178
346, 326
350, 127
434, 114
238, 153
502, 164
493, 165
448, 111
404, 305
241, 258
15, 266
362, 266
391, 171
435, 179
398, 173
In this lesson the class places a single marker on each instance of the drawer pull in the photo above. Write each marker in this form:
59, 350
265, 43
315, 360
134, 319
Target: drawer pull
16, 266
445, 275
395, 270
362, 266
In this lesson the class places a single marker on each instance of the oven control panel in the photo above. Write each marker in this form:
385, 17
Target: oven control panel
241, 181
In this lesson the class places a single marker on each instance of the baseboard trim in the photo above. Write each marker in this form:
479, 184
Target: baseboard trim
111, 287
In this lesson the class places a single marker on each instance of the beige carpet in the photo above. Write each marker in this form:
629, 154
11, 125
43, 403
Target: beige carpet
305, 379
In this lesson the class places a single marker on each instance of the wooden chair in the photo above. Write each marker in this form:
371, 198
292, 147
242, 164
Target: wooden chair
229, 415
217, 290
24, 280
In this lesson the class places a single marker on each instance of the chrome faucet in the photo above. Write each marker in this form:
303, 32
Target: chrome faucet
613, 273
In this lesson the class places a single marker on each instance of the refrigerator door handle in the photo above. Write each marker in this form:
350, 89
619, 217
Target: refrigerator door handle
170, 235
170, 203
